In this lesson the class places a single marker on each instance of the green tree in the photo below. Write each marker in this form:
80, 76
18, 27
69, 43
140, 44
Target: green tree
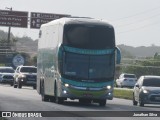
147, 67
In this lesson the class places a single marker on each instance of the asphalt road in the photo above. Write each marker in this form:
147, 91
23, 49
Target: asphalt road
27, 99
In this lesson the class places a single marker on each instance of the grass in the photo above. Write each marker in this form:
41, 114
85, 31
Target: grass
125, 94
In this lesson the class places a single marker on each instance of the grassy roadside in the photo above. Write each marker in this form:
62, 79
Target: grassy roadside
126, 94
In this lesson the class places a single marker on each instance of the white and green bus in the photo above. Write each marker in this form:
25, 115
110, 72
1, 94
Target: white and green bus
76, 59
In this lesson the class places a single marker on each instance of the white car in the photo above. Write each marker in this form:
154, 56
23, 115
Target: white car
126, 80
6, 75
25, 76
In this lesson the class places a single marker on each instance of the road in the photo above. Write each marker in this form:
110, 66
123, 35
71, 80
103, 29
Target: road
27, 99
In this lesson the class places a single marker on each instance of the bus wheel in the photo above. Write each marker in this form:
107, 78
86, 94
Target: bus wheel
102, 102
44, 97
58, 99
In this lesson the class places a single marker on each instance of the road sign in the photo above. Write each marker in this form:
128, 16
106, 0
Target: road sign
13, 18
18, 60
37, 19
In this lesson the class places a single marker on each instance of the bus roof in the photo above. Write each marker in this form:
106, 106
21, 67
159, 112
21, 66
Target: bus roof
78, 20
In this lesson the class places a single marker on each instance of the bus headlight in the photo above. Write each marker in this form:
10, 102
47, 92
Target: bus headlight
64, 91
66, 85
109, 87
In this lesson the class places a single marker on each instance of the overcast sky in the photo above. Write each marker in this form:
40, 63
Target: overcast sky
136, 22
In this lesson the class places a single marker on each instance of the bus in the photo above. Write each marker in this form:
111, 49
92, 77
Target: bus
76, 60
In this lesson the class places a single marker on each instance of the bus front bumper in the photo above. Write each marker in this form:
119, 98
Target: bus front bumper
74, 92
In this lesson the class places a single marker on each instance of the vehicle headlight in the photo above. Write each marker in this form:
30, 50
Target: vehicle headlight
109, 87
66, 85
22, 76
145, 91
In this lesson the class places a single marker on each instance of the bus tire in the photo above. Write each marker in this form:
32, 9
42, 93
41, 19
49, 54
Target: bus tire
102, 102
57, 99
44, 97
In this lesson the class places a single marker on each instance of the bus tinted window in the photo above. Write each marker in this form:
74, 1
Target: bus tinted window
89, 37
89, 67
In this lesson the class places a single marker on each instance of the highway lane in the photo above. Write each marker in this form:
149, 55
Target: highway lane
27, 99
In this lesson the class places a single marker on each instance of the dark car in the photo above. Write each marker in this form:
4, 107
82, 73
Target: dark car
25, 76
6, 75
147, 90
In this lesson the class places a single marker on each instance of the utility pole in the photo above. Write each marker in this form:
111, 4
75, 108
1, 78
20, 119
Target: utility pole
8, 41
9, 29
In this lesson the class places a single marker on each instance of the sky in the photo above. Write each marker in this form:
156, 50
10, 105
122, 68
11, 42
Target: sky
136, 22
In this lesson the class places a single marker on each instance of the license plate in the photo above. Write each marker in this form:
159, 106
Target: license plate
157, 98
87, 95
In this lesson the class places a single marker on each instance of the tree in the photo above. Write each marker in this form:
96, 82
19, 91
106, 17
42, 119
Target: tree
156, 56
146, 67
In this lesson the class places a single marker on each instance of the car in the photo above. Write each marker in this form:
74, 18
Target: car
147, 90
6, 75
126, 80
25, 76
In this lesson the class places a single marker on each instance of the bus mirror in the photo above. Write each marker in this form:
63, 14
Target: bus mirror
118, 55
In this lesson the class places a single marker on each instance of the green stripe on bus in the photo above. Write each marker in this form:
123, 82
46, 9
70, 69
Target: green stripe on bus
87, 84
90, 52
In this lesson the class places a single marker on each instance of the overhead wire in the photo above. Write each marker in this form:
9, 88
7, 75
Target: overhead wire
137, 14
125, 21
140, 20
140, 27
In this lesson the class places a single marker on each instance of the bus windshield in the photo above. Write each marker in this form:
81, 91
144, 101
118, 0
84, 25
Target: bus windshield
88, 67
89, 36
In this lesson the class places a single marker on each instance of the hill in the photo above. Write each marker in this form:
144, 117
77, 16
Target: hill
28, 45
141, 51
20, 44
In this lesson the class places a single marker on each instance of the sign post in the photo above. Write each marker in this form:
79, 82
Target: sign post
37, 19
